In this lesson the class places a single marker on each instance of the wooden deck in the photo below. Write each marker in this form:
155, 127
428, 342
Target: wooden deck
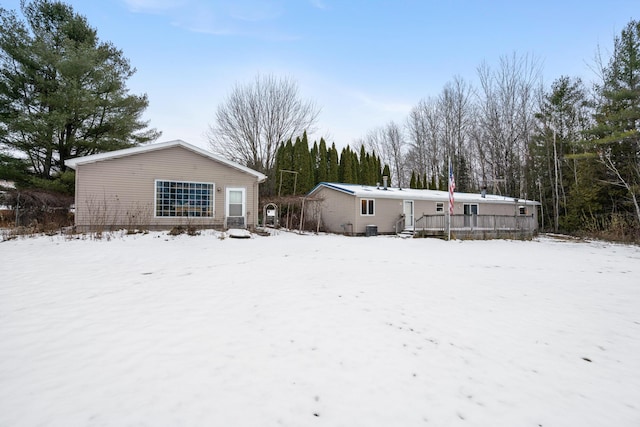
475, 226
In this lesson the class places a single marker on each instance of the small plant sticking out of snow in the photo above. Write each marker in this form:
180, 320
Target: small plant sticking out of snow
179, 229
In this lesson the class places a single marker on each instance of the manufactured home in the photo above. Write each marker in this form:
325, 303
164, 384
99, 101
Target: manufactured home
163, 185
355, 209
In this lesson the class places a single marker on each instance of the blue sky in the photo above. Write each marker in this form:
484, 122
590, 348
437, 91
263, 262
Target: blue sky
363, 62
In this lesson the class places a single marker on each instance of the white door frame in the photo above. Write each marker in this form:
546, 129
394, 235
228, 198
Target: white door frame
228, 191
409, 217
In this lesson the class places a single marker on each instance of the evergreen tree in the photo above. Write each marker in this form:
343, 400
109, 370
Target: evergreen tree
463, 177
322, 172
386, 172
346, 173
418, 182
556, 151
364, 167
63, 92
15, 170
374, 169
355, 167
302, 165
617, 131
333, 169
379, 169
412, 182
315, 162
283, 164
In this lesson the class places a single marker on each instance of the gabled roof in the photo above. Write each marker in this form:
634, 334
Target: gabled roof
73, 163
373, 192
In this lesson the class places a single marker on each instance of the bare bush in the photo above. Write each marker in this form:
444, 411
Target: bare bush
39, 209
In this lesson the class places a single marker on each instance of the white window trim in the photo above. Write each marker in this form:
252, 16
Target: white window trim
368, 213
155, 198
244, 201
477, 205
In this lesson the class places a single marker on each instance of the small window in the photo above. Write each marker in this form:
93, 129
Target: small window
523, 210
439, 207
367, 207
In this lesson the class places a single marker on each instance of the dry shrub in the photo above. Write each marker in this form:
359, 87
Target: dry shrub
39, 210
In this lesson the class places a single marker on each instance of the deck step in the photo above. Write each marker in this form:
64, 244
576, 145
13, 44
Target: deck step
405, 233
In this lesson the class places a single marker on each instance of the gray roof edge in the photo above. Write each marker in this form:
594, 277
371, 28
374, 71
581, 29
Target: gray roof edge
331, 186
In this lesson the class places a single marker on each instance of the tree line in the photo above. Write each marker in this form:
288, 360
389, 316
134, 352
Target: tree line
299, 168
573, 146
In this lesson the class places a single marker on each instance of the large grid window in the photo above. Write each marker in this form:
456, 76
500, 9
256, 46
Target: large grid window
367, 207
192, 199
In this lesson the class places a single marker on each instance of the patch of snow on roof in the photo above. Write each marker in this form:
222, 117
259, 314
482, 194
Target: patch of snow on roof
359, 190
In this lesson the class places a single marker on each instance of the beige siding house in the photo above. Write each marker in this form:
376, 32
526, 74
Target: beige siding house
359, 209
159, 186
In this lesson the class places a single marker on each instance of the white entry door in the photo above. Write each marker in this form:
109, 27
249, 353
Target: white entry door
236, 207
407, 210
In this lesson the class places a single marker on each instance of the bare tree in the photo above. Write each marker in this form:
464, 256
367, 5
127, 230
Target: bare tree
389, 143
256, 117
423, 134
394, 139
506, 115
454, 104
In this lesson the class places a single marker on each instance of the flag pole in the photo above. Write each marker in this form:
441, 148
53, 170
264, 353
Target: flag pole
452, 187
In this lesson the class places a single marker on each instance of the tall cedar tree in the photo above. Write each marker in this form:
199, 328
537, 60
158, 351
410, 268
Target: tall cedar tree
315, 161
302, 165
347, 168
319, 164
283, 165
363, 173
386, 172
333, 170
322, 171
63, 92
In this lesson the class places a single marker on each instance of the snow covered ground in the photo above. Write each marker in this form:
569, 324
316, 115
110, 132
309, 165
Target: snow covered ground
299, 330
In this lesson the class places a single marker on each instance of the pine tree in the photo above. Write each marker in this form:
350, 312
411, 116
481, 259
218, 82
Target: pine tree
412, 182
387, 172
418, 182
363, 174
346, 166
555, 152
315, 162
618, 121
333, 169
284, 163
302, 165
63, 92
355, 167
323, 163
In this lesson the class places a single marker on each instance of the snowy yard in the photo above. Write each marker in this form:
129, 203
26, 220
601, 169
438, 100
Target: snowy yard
290, 330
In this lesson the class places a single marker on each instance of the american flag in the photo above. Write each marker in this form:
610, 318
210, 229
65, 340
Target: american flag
452, 188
